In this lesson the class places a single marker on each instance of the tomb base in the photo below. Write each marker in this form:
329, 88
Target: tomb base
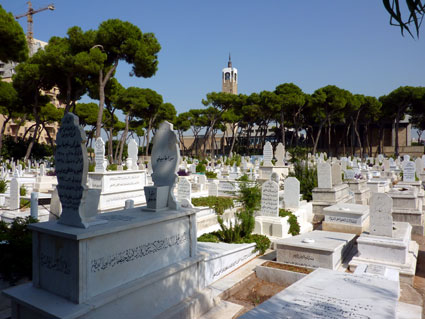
346, 218
378, 186
315, 249
324, 197
136, 263
360, 190
272, 226
407, 270
413, 217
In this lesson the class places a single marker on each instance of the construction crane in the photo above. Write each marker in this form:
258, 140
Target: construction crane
29, 14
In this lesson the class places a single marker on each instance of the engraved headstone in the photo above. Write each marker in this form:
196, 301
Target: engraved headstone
165, 162
268, 155
99, 155
386, 164
213, 188
291, 194
381, 220
270, 199
324, 175
275, 177
79, 205
280, 155
133, 150
336, 174
14, 197
349, 174
409, 171
184, 190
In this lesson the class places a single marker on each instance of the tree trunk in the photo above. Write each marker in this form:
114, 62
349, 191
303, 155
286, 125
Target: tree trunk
31, 144
48, 135
123, 138
329, 138
317, 137
233, 139
102, 84
397, 122
282, 128
356, 130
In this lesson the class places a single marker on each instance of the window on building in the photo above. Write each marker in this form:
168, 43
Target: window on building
227, 76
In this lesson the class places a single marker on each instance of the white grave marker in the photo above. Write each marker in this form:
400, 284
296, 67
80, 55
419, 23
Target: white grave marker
99, 155
409, 171
291, 194
268, 155
270, 199
324, 175
381, 220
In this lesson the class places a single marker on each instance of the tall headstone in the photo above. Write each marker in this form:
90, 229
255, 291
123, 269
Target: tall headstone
42, 169
409, 171
275, 177
213, 188
291, 194
324, 175
79, 205
270, 199
184, 190
267, 155
381, 220
99, 155
165, 162
133, 151
14, 197
280, 155
336, 174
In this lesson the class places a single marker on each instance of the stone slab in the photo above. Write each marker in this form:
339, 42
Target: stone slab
315, 249
331, 295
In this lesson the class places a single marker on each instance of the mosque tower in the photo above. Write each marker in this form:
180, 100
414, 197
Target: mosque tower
229, 78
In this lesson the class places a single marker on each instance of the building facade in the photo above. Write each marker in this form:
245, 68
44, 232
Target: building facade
229, 78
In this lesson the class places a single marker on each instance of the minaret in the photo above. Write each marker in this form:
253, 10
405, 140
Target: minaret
229, 78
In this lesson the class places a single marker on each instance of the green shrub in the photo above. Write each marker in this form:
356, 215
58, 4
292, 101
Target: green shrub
209, 238
211, 175
294, 227
112, 167
200, 168
262, 243
125, 168
24, 203
243, 178
307, 177
218, 203
3, 186
22, 190
16, 250
91, 167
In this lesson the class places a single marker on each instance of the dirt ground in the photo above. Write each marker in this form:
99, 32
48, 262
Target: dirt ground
416, 295
252, 292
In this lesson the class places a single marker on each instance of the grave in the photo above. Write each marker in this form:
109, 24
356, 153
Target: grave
388, 243
268, 222
315, 249
280, 167
330, 190
407, 207
116, 186
184, 190
346, 218
327, 294
120, 264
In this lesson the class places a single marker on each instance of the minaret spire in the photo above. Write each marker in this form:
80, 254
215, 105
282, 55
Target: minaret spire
229, 64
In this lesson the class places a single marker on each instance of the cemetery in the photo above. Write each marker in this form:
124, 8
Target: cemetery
117, 201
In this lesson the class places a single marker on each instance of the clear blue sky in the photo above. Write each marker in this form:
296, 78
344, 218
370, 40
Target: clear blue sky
310, 43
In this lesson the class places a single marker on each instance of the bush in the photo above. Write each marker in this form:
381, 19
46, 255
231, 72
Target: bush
243, 178
24, 203
211, 175
298, 153
3, 186
125, 168
209, 238
307, 177
22, 191
218, 203
183, 172
262, 242
91, 167
294, 227
112, 167
200, 168
16, 250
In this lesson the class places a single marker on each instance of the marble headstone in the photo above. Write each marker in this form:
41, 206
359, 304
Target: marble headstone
99, 155
409, 171
336, 174
133, 150
184, 190
165, 162
213, 188
324, 175
381, 220
280, 154
291, 192
14, 199
268, 155
270, 199
419, 166
79, 205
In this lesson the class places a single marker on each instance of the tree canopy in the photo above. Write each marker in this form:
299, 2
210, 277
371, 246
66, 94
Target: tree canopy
12, 38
